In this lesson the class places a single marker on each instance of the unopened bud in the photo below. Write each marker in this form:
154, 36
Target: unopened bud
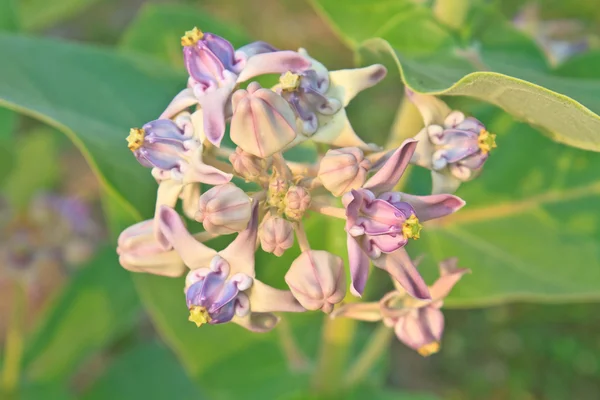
276, 235
317, 280
297, 200
224, 209
249, 167
343, 169
139, 251
263, 123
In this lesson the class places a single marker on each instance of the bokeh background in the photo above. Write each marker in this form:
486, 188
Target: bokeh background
87, 331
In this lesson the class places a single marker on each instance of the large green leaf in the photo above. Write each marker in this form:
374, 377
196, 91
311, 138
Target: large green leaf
35, 15
148, 371
512, 74
530, 227
98, 305
8, 16
158, 28
94, 96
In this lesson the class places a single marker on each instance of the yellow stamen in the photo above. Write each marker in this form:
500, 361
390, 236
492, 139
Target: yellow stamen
486, 141
199, 315
191, 37
412, 228
429, 349
289, 81
135, 140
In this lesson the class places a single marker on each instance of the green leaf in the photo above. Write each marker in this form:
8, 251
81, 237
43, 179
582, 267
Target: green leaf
148, 371
34, 165
530, 228
518, 82
8, 121
9, 21
157, 30
37, 16
97, 306
94, 96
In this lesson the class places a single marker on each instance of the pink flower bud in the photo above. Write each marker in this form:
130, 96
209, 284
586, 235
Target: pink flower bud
139, 251
249, 167
297, 200
263, 123
343, 169
276, 235
224, 209
317, 280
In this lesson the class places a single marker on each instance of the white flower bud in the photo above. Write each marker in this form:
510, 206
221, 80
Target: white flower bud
276, 235
343, 169
224, 209
249, 167
297, 200
317, 280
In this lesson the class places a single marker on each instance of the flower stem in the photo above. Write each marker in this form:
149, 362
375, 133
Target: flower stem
378, 343
301, 237
297, 361
328, 210
13, 350
333, 355
451, 12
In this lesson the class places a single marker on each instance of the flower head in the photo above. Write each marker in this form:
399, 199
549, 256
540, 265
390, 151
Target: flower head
417, 323
453, 146
380, 223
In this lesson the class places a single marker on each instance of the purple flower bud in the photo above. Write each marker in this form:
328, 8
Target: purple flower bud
140, 251
297, 199
249, 167
214, 297
224, 209
161, 144
317, 280
342, 170
276, 235
263, 122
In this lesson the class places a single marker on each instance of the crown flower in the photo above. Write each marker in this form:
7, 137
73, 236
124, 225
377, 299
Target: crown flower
266, 182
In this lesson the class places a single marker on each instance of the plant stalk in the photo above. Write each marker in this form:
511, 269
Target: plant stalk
378, 343
13, 348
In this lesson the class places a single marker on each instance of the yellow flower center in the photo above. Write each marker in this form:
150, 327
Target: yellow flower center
199, 315
429, 349
486, 141
135, 138
289, 81
191, 37
412, 228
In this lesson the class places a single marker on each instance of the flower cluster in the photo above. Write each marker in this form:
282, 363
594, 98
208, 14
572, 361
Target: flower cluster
353, 180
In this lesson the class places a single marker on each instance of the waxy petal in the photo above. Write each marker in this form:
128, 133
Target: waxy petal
399, 265
425, 328
359, 266
345, 84
213, 105
276, 62
240, 253
388, 176
336, 130
257, 322
428, 207
444, 182
450, 274
264, 298
194, 254
180, 102
433, 110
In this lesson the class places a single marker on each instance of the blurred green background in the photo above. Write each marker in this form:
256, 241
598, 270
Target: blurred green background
91, 331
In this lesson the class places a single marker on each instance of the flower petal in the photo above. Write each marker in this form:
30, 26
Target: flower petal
273, 63
257, 322
190, 195
194, 254
359, 266
399, 265
336, 130
347, 83
213, 109
433, 110
240, 253
180, 102
388, 176
450, 274
167, 195
422, 329
444, 182
264, 298
433, 206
